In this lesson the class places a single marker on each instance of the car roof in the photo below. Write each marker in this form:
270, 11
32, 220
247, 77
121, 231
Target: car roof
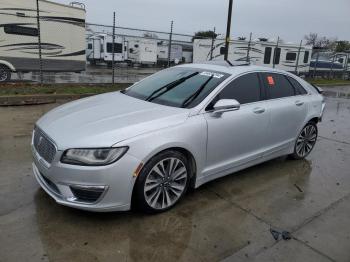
235, 69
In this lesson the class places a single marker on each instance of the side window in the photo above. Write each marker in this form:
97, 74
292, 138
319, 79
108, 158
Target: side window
277, 85
290, 56
20, 30
277, 55
267, 55
118, 47
245, 89
306, 57
222, 50
299, 89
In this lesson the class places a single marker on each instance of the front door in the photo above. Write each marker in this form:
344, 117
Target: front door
237, 137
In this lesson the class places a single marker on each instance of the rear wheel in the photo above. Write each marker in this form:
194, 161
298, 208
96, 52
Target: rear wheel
5, 74
162, 182
306, 141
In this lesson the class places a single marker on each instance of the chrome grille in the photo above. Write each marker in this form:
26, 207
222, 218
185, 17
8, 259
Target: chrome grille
43, 146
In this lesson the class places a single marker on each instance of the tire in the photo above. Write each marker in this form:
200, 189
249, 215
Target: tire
305, 141
156, 190
5, 74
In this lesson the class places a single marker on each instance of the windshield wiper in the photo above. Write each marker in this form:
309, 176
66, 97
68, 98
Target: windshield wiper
168, 87
192, 97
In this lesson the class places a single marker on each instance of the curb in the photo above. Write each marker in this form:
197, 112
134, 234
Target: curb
22, 100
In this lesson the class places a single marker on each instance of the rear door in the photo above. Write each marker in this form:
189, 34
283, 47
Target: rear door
287, 109
237, 137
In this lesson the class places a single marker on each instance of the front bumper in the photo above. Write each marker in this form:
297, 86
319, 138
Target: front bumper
109, 187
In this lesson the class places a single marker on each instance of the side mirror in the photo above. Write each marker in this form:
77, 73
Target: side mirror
224, 105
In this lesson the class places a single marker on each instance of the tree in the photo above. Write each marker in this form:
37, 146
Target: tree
311, 39
320, 42
205, 34
342, 46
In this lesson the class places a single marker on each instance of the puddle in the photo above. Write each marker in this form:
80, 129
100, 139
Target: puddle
336, 94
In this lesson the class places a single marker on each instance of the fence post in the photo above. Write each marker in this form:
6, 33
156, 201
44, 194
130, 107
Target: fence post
212, 45
274, 53
170, 40
39, 42
298, 56
346, 66
315, 65
113, 46
248, 50
332, 65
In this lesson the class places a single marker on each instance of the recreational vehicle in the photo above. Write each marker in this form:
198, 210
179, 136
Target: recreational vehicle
175, 53
288, 57
100, 49
141, 50
62, 37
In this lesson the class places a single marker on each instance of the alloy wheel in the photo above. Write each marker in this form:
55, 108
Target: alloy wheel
165, 183
306, 140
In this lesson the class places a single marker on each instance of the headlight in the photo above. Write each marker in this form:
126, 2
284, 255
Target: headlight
93, 156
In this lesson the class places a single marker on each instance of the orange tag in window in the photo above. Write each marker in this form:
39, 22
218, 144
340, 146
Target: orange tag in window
270, 80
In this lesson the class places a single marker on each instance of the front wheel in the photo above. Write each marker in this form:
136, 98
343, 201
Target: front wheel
5, 74
306, 141
162, 182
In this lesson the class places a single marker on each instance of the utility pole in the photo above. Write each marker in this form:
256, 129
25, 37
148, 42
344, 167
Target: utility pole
228, 29
39, 42
113, 46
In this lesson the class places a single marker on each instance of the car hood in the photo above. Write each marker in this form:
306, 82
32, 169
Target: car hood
103, 120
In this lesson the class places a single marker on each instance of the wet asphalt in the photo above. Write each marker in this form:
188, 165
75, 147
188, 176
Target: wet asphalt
227, 219
93, 74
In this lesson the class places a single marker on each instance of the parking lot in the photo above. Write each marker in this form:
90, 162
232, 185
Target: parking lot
227, 219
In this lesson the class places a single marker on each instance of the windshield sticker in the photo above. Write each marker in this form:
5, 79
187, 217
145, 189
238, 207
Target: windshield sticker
270, 80
215, 75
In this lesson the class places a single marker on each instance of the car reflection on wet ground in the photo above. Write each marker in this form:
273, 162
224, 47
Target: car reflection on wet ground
227, 219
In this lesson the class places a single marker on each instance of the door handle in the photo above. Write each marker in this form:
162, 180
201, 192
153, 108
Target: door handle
259, 110
299, 103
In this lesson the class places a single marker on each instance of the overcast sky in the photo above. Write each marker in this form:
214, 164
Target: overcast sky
290, 19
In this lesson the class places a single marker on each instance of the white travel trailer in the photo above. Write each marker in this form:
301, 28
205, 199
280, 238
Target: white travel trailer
62, 37
175, 53
282, 56
141, 50
100, 49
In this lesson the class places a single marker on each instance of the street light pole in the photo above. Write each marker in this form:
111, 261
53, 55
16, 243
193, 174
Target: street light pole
228, 29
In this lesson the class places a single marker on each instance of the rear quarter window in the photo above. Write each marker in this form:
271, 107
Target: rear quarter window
277, 86
299, 89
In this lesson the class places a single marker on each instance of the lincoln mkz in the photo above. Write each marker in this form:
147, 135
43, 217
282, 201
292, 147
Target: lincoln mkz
177, 129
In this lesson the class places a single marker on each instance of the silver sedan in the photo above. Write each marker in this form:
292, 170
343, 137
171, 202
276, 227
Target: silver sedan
177, 129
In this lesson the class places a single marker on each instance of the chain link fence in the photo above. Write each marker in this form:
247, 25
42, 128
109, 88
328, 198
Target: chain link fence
126, 55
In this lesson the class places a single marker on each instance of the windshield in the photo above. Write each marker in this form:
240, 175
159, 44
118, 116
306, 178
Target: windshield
178, 87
